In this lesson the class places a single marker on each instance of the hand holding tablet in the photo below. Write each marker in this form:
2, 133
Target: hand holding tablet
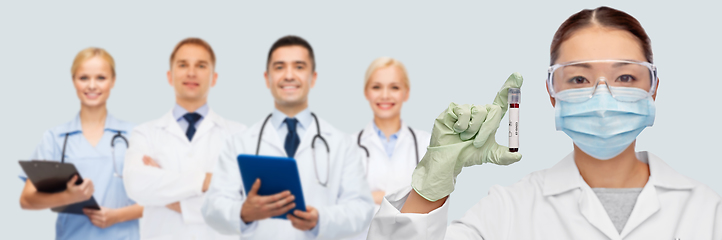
273, 187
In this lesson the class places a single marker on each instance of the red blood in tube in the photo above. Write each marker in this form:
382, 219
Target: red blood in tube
513, 105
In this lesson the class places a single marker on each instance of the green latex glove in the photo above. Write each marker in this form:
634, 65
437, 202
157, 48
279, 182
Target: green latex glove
463, 136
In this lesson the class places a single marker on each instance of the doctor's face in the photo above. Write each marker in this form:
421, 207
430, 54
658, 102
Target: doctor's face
192, 73
386, 92
290, 75
93, 81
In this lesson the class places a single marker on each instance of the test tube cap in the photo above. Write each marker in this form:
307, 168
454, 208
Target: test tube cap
514, 95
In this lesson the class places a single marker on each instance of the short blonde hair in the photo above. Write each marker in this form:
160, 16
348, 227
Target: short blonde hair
383, 62
89, 53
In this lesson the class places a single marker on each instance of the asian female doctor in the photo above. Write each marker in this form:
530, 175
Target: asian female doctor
95, 142
390, 148
602, 84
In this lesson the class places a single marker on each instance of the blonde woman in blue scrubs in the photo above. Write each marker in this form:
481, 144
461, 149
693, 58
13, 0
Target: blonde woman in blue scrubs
86, 142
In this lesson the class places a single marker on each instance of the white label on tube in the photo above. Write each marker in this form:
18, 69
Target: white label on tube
513, 127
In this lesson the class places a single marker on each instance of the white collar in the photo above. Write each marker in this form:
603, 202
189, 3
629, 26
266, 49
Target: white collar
564, 176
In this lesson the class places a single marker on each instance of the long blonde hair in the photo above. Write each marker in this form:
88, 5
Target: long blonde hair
383, 62
89, 53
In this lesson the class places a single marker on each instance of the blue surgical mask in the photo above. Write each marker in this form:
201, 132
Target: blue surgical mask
603, 126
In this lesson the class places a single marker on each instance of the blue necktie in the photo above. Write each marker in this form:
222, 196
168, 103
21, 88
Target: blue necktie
292, 139
192, 119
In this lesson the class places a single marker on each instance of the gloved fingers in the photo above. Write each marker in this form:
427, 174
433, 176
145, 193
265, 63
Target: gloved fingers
478, 115
507, 158
502, 156
448, 117
501, 100
463, 116
443, 131
489, 126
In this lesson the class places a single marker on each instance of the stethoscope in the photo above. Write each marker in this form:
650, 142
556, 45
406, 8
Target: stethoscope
112, 151
313, 148
368, 156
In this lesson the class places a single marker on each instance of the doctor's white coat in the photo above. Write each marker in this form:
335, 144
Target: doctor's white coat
184, 165
344, 205
394, 173
556, 203
391, 174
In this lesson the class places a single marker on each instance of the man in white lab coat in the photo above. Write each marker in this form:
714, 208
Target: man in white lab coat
168, 167
337, 197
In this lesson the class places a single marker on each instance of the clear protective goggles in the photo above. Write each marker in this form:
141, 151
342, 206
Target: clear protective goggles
584, 76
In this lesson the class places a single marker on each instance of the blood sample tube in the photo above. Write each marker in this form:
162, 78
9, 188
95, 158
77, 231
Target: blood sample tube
514, 99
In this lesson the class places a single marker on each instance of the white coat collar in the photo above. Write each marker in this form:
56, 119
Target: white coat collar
369, 134
311, 131
270, 135
369, 131
169, 123
564, 176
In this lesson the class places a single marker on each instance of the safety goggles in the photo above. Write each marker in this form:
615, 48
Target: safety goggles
619, 76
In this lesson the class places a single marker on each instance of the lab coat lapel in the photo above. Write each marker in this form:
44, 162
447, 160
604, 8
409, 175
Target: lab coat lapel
648, 201
646, 206
594, 212
170, 125
308, 137
270, 137
565, 176
206, 125
404, 137
371, 140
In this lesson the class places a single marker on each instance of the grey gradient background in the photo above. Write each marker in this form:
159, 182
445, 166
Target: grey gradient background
460, 51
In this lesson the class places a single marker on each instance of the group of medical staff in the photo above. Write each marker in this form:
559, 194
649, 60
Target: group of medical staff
179, 173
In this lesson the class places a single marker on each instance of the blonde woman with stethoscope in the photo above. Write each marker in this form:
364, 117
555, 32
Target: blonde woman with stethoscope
95, 142
390, 148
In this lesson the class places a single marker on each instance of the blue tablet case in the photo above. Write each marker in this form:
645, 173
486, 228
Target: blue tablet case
277, 174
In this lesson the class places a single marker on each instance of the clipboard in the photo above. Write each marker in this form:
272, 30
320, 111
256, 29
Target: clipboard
52, 177
277, 174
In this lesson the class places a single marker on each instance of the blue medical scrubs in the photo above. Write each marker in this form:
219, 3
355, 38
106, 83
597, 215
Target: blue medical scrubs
95, 163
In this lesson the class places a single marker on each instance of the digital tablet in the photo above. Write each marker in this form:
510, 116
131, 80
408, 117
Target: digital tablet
277, 174
52, 177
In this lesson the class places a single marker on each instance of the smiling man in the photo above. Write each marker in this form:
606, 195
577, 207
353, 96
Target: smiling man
337, 197
169, 163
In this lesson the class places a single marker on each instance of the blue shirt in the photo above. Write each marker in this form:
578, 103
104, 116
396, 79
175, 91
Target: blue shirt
388, 143
179, 112
94, 163
278, 119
